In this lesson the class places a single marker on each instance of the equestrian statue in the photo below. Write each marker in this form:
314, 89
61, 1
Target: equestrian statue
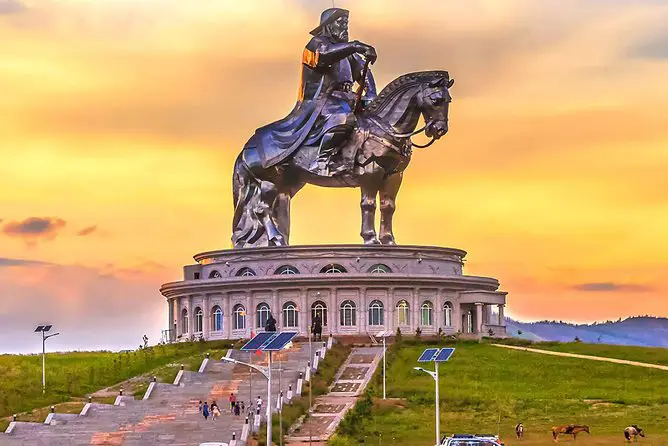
341, 133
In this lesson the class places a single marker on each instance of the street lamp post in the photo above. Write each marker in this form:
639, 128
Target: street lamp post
43, 329
266, 372
434, 375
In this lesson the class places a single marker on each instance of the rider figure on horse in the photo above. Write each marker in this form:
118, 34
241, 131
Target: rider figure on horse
324, 115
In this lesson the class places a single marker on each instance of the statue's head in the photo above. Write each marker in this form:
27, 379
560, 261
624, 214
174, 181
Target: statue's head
334, 24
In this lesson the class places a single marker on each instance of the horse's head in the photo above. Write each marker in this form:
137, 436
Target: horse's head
434, 104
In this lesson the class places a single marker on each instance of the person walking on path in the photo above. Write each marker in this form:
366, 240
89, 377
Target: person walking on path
215, 411
200, 406
233, 402
237, 410
205, 411
259, 404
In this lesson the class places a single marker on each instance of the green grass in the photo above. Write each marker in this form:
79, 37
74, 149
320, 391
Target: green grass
490, 389
652, 355
320, 382
76, 374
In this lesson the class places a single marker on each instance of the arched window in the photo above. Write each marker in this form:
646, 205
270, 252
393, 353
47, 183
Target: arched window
262, 311
376, 313
286, 269
184, 321
319, 309
447, 314
402, 313
333, 268
380, 268
427, 313
239, 317
216, 318
290, 315
348, 314
199, 319
245, 272
215, 275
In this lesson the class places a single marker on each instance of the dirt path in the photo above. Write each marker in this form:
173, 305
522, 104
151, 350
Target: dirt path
593, 358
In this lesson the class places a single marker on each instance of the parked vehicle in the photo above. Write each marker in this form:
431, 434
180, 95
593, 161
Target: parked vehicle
472, 440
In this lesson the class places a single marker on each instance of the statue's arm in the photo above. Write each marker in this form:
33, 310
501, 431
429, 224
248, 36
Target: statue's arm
321, 54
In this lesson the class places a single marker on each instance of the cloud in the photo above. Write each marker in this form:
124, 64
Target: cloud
91, 310
87, 231
612, 287
11, 6
34, 228
653, 47
7, 262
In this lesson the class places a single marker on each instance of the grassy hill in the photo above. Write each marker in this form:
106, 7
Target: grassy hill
489, 389
76, 374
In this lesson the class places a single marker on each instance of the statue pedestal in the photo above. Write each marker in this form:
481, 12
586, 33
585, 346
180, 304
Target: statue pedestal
356, 290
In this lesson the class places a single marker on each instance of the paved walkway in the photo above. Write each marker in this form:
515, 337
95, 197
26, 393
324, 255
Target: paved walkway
170, 416
328, 410
593, 358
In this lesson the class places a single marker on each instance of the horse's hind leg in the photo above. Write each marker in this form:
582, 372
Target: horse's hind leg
388, 200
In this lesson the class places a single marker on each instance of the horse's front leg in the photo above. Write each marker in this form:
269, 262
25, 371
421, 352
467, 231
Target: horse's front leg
268, 195
368, 205
388, 201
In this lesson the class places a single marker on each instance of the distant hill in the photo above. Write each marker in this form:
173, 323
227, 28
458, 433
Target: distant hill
645, 331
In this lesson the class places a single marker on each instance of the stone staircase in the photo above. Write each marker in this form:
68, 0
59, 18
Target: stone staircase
170, 416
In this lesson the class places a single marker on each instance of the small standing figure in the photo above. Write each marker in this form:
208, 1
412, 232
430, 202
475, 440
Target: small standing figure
316, 328
205, 410
632, 432
233, 401
259, 404
237, 410
519, 430
243, 407
145, 339
215, 411
270, 325
200, 406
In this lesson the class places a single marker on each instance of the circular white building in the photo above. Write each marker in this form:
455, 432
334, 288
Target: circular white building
356, 290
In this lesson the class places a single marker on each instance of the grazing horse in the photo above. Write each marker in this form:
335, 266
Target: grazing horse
632, 432
519, 431
571, 429
373, 159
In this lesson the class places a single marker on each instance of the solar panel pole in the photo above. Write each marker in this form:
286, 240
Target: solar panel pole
438, 407
269, 403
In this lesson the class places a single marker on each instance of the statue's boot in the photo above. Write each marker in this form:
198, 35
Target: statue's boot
329, 146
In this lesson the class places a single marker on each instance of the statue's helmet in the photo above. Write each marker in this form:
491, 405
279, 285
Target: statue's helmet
329, 16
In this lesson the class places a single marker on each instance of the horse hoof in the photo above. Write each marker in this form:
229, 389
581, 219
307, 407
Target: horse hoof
388, 241
373, 241
277, 241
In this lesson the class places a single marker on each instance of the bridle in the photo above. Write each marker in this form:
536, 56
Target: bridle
396, 135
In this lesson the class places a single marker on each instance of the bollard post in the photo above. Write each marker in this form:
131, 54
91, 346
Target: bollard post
120, 393
53, 409
155, 379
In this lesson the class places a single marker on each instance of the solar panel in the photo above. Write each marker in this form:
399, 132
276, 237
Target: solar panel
444, 354
280, 341
39, 328
428, 355
257, 342
47, 327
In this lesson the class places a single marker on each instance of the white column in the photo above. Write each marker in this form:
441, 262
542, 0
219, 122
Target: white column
250, 314
478, 317
304, 311
415, 308
333, 311
502, 320
179, 307
191, 317
388, 311
362, 311
206, 318
227, 316
276, 310
170, 319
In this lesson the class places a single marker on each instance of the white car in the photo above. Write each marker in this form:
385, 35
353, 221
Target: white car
472, 440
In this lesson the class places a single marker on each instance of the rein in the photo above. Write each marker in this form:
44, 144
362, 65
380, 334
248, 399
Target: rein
394, 134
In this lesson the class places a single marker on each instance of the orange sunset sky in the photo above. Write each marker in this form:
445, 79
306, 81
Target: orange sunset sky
120, 121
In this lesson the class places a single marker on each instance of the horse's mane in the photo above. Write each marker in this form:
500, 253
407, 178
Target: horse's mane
401, 84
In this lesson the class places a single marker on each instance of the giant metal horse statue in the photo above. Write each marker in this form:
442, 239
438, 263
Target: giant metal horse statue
373, 159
